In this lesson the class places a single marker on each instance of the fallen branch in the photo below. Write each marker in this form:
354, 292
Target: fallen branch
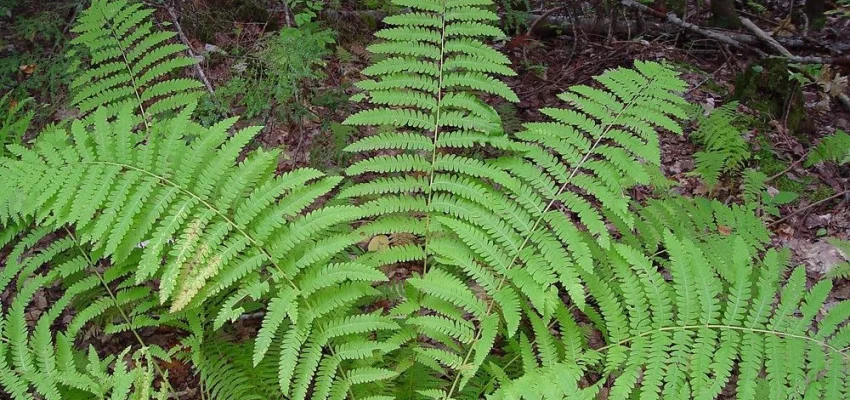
537, 21
673, 19
595, 25
815, 204
820, 60
842, 98
751, 40
185, 40
765, 37
542, 17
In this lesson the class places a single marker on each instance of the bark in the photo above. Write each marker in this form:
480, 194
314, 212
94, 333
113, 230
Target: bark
815, 12
723, 14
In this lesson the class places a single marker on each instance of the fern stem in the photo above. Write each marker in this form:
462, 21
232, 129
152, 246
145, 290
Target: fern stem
121, 310
234, 226
731, 328
436, 135
576, 168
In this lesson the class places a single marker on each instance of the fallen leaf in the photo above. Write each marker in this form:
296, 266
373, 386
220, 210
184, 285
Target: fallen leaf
379, 242
27, 68
724, 230
402, 238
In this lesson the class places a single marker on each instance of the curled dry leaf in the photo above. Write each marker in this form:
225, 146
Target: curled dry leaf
379, 242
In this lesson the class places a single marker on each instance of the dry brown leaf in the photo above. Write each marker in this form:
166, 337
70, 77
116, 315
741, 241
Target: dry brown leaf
402, 238
27, 68
379, 242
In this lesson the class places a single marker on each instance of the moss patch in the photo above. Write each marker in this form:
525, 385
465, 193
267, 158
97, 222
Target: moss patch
766, 86
819, 193
805, 186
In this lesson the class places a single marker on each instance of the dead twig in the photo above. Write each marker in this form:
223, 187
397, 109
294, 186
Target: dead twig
185, 40
542, 17
842, 98
786, 170
708, 78
764, 36
286, 14
820, 60
673, 19
815, 204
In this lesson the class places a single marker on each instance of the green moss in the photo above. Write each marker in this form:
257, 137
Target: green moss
712, 86
765, 86
686, 67
786, 184
807, 187
821, 192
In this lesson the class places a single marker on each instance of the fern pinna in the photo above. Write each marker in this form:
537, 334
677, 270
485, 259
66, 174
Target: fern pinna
725, 149
129, 62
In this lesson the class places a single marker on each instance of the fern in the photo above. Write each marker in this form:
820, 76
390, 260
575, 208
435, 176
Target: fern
34, 357
840, 270
725, 150
129, 62
685, 337
491, 221
227, 371
833, 148
13, 122
761, 198
211, 232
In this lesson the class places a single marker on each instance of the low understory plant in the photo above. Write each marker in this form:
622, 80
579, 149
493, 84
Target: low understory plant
534, 272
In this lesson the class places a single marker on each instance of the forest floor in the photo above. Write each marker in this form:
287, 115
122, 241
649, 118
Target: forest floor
548, 61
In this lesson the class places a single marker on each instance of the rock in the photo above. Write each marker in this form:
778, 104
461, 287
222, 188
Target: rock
681, 165
817, 221
819, 257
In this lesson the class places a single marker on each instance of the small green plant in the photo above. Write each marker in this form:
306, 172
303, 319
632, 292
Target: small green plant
516, 15
274, 78
833, 148
724, 147
14, 121
841, 270
761, 198
305, 11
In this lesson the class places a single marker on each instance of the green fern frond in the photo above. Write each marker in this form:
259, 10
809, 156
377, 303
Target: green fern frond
36, 358
833, 148
214, 227
130, 63
508, 240
689, 344
724, 148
